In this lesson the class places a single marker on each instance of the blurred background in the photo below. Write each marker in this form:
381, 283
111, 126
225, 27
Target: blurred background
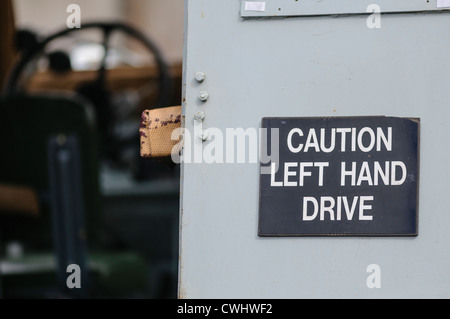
73, 187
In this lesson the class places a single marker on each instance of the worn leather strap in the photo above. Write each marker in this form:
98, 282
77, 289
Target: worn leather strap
156, 132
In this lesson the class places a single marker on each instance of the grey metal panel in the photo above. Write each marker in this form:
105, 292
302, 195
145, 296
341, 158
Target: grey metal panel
284, 8
297, 67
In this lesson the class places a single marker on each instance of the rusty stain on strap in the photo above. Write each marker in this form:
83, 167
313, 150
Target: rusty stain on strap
156, 130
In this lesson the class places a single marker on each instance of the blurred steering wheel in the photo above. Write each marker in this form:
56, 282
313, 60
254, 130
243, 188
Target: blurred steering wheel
96, 91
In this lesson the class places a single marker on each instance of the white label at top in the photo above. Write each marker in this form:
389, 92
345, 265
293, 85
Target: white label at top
443, 3
259, 6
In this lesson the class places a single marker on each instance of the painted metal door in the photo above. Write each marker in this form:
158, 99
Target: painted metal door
249, 60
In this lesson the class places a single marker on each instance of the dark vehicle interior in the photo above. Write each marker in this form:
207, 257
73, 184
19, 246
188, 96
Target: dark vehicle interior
74, 189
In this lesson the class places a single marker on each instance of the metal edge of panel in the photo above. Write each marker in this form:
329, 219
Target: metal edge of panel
299, 8
180, 290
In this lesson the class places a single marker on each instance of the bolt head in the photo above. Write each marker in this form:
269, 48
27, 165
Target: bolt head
204, 135
200, 77
203, 96
199, 116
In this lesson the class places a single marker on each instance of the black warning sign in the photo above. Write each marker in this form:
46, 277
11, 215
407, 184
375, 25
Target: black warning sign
342, 176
